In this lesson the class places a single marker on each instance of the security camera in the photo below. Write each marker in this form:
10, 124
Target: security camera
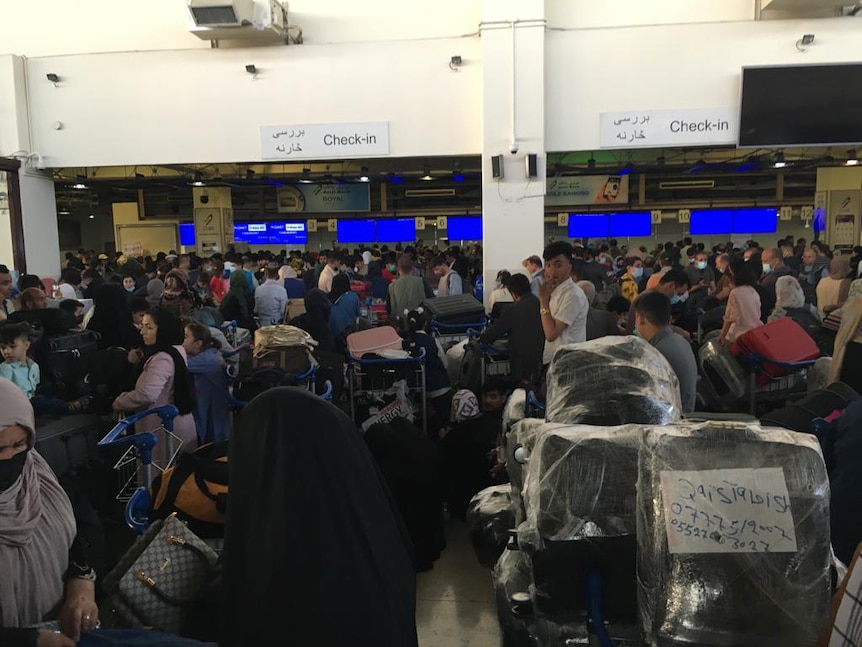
205, 199
514, 147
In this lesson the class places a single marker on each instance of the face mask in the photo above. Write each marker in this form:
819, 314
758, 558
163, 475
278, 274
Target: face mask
722, 270
767, 268
130, 289
10, 470
392, 268
701, 265
638, 272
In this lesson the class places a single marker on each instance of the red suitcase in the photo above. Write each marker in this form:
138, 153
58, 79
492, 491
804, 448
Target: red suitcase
783, 340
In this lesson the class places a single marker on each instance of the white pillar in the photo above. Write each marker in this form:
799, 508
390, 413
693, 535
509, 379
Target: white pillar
513, 59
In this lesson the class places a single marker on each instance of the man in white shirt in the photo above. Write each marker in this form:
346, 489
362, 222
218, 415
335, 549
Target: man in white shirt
333, 262
450, 281
270, 299
564, 305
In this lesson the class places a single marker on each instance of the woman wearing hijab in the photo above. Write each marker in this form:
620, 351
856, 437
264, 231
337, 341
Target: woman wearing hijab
465, 448
155, 289
42, 562
238, 303
315, 320
164, 380
294, 287
112, 318
178, 296
312, 540
832, 290
379, 286
847, 356
345, 305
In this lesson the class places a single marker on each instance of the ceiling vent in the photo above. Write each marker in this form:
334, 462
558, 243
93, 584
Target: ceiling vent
687, 184
259, 20
227, 13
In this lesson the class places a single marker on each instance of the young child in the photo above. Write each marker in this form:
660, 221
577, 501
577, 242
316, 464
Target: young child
24, 373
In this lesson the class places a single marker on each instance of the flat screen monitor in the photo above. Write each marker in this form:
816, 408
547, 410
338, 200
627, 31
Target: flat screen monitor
589, 225
288, 233
253, 233
356, 231
396, 230
187, 234
464, 228
755, 221
801, 105
636, 223
708, 222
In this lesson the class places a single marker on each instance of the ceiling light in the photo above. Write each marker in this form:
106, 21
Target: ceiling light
53, 78
364, 174
251, 69
79, 185
779, 160
199, 179
852, 160
92, 217
64, 212
427, 176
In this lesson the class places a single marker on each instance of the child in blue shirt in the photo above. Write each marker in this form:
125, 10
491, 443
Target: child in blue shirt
24, 373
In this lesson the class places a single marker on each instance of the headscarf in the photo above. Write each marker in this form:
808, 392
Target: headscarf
839, 269
789, 295
37, 527
311, 517
239, 290
340, 286
854, 293
182, 279
286, 272
112, 318
366, 257
465, 406
155, 289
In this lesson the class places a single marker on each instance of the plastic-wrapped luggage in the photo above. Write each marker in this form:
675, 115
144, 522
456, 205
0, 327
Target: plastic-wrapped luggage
580, 498
519, 443
489, 520
513, 575
612, 381
733, 532
722, 371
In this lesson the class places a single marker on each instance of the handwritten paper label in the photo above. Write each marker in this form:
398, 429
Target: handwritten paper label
320, 141
728, 511
650, 128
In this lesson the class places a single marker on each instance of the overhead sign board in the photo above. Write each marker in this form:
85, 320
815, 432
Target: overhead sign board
655, 128
587, 189
322, 141
324, 198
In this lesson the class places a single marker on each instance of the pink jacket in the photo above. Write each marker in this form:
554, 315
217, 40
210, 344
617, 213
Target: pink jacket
155, 387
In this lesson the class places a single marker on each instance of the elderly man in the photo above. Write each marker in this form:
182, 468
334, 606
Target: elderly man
600, 323
773, 269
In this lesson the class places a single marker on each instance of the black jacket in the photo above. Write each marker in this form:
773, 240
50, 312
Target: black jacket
522, 323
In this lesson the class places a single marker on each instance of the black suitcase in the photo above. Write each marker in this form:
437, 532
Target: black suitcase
455, 310
68, 443
798, 415
65, 362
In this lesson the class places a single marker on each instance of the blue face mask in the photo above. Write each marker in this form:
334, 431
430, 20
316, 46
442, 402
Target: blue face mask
701, 265
676, 299
767, 268
638, 272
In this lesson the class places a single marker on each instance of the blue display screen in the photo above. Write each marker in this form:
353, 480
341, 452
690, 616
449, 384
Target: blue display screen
187, 234
253, 233
636, 223
356, 231
705, 222
288, 233
755, 221
465, 228
397, 230
589, 225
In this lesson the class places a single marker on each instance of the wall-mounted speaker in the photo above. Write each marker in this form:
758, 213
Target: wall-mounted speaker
497, 167
532, 163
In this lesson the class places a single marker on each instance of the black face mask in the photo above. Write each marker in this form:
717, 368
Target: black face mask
11, 468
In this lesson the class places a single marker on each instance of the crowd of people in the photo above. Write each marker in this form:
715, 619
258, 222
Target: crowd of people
166, 312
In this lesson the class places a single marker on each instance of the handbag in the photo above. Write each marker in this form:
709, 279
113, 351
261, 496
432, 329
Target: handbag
160, 580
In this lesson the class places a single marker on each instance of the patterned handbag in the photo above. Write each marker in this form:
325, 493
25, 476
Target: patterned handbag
160, 580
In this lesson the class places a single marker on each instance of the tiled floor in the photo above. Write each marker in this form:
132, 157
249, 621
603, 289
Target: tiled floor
455, 600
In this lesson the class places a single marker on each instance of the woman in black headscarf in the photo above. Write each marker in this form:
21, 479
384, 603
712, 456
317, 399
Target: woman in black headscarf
315, 321
314, 549
112, 319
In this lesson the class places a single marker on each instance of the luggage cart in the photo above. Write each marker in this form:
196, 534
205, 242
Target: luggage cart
369, 378
777, 390
451, 334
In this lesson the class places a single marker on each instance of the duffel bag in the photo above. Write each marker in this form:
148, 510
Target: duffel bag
195, 489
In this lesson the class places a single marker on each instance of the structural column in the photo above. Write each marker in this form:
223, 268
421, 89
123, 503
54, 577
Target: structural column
213, 220
513, 111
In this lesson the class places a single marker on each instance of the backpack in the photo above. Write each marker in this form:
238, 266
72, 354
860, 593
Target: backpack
262, 380
195, 488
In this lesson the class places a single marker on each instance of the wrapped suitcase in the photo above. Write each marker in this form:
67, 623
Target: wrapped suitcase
797, 416
782, 340
68, 442
489, 520
722, 371
612, 381
455, 310
733, 536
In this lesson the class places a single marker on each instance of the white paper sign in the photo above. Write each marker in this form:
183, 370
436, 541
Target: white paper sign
728, 511
321, 141
651, 128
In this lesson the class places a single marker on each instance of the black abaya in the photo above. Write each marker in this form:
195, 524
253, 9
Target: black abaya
315, 553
